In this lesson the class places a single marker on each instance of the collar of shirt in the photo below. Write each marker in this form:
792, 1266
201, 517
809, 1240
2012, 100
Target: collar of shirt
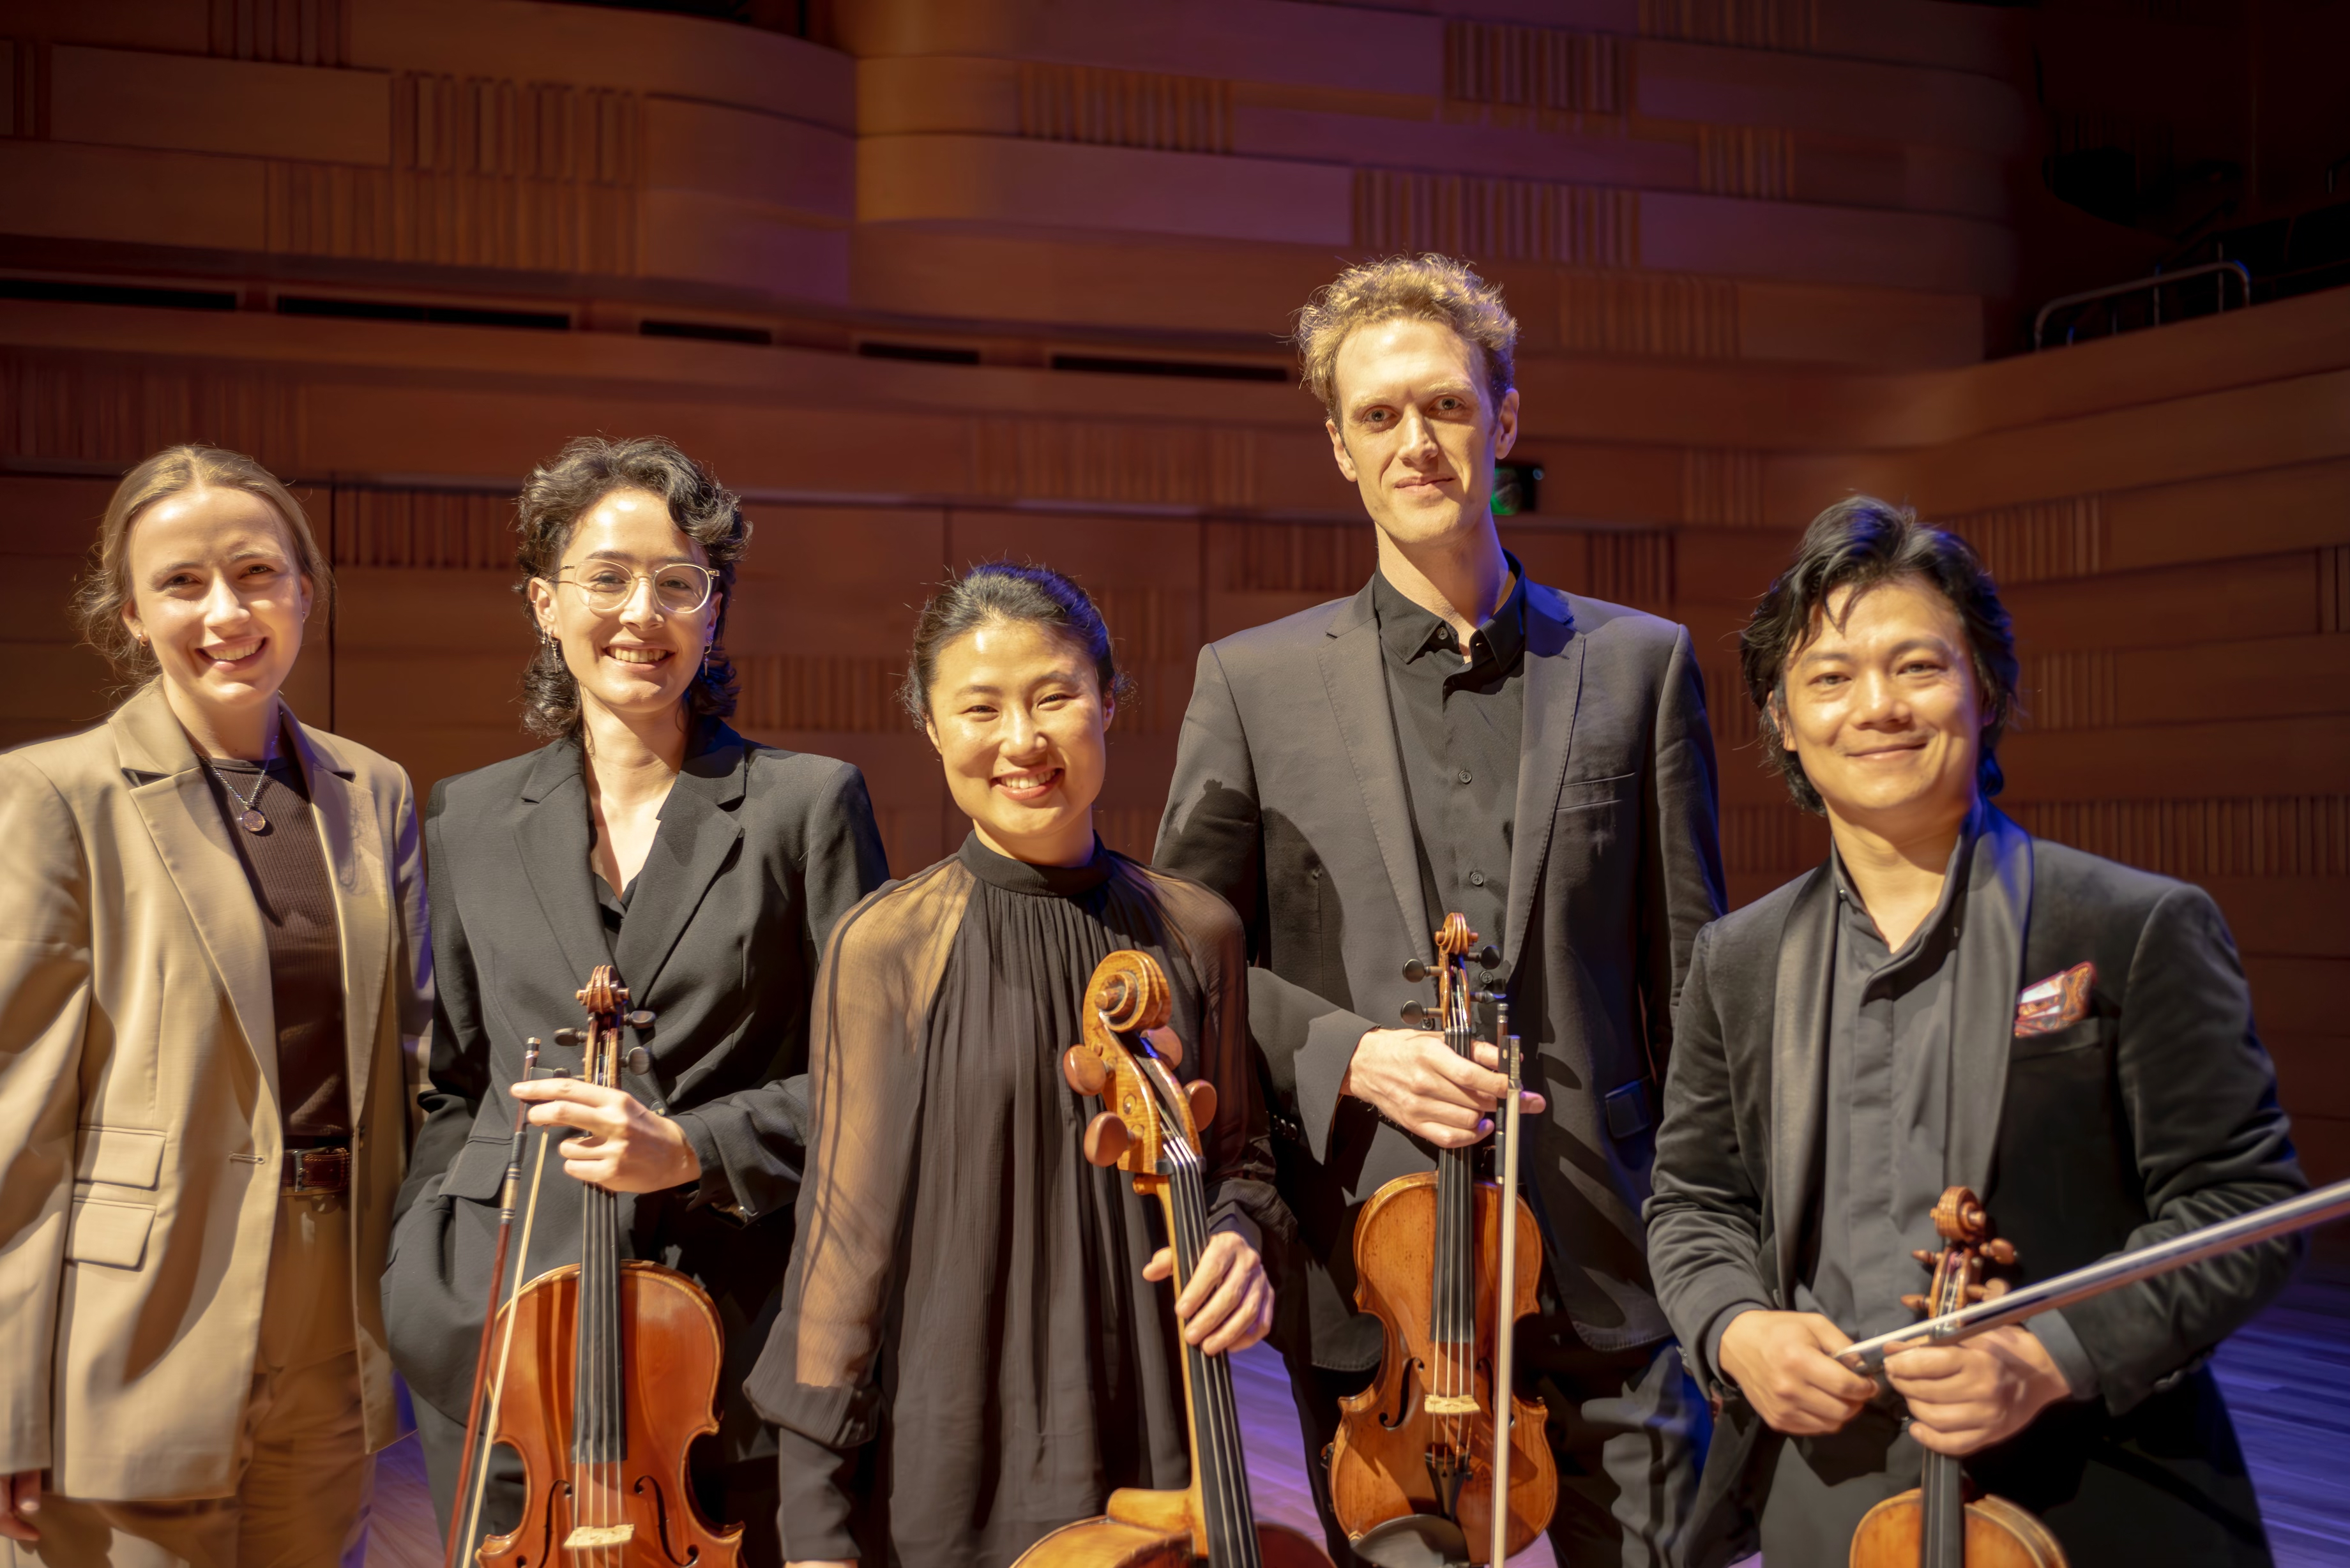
1407, 630
1954, 878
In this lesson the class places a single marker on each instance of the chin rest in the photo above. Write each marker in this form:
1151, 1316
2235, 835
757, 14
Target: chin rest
1414, 1541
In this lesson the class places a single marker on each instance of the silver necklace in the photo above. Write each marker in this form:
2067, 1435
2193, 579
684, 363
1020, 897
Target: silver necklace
252, 821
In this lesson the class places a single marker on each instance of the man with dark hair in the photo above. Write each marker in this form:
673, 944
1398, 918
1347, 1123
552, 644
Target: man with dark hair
1455, 737
1951, 1001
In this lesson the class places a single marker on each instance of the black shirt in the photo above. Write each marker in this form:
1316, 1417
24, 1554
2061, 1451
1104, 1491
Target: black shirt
1889, 1108
286, 868
1458, 726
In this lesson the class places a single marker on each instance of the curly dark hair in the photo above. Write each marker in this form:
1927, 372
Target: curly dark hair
559, 493
999, 590
1861, 542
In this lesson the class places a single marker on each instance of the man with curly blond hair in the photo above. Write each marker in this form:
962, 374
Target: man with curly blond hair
1456, 738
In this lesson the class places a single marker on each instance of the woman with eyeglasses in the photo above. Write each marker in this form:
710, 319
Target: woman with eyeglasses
707, 870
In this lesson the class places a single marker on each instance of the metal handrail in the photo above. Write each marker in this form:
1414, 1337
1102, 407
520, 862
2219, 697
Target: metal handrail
2154, 284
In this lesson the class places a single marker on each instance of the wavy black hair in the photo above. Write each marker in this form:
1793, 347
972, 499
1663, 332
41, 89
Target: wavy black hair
1861, 542
559, 493
1000, 590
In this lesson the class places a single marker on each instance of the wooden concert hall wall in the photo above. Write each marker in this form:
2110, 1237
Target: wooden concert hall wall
966, 278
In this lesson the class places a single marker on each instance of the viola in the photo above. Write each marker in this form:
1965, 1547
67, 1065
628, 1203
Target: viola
1440, 1455
606, 1373
1150, 1127
1936, 1525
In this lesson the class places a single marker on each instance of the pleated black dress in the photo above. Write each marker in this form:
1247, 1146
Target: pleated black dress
967, 1355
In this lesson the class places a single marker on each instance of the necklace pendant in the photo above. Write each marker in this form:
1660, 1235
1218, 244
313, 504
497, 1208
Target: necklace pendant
252, 821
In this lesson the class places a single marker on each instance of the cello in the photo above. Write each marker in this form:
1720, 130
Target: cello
606, 1371
1150, 1127
1440, 1459
1935, 1525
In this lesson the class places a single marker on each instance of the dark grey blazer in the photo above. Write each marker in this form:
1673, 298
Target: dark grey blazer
2154, 1114
759, 852
1289, 799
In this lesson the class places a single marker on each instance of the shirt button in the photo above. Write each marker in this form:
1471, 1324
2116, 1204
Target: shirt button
1444, 634
1476, 878
1466, 775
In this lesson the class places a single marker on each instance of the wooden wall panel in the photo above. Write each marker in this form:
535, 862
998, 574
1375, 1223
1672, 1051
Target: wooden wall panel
1754, 243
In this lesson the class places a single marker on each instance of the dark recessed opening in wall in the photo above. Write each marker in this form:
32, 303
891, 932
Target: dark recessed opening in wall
708, 331
63, 292
438, 315
928, 353
1106, 365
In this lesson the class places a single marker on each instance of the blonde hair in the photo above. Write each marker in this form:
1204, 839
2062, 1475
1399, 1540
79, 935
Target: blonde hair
1429, 287
105, 587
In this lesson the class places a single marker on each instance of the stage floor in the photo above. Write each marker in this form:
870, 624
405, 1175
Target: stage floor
2287, 1378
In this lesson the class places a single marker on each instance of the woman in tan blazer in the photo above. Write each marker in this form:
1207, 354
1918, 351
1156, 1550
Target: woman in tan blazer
212, 965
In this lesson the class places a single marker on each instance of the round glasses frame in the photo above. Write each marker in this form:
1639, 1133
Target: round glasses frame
694, 588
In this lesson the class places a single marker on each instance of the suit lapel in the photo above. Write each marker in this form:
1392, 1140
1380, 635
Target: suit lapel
1798, 1063
343, 808
697, 832
1989, 972
1553, 695
1356, 679
551, 835
185, 821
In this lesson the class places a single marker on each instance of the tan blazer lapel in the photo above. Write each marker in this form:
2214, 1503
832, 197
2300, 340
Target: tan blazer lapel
169, 786
344, 807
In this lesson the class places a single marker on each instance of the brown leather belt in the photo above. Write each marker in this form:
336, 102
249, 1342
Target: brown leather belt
318, 1170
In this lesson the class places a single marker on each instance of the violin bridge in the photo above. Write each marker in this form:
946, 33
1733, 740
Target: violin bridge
1449, 1404
583, 1535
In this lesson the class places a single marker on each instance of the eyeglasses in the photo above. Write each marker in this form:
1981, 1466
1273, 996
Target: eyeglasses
680, 588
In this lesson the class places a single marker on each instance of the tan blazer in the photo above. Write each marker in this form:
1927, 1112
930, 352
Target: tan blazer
141, 1140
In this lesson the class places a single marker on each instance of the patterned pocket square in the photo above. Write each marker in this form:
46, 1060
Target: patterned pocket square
2055, 1002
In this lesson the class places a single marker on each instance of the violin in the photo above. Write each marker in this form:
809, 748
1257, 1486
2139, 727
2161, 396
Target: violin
1440, 1454
606, 1371
1150, 1127
1936, 1525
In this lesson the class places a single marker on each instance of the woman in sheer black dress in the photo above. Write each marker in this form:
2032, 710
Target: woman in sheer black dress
968, 1355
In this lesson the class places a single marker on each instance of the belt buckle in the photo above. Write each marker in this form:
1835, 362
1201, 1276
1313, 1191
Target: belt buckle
321, 1170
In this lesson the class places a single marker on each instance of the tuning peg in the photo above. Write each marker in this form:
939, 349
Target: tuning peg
1413, 1013
1107, 1139
1415, 971
1974, 1292
1914, 1302
639, 1060
1489, 957
1923, 1256
1203, 1095
2000, 1251
567, 1037
642, 1018
1084, 1071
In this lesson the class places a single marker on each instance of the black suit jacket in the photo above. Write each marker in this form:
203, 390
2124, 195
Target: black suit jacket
759, 852
1289, 799
2154, 1114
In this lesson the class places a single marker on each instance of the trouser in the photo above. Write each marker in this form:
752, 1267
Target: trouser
304, 1476
1627, 1431
742, 1493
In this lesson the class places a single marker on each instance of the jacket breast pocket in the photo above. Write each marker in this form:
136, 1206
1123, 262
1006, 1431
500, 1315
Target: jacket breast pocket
119, 1157
2073, 1040
113, 1235
1595, 820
